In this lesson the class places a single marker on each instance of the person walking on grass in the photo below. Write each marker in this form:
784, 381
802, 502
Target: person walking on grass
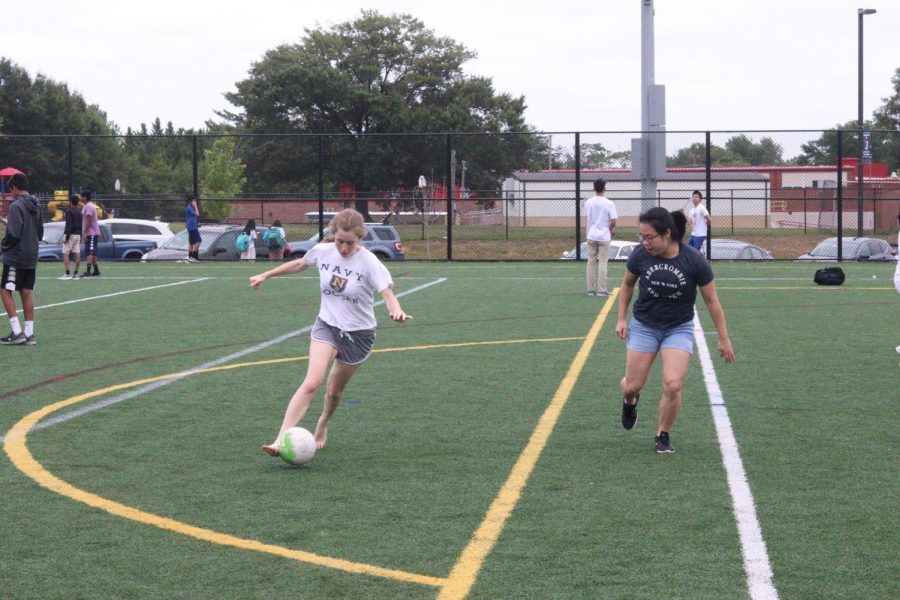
668, 274
344, 331
72, 237
19, 255
601, 227
273, 237
250, 231
90, 227
192, 224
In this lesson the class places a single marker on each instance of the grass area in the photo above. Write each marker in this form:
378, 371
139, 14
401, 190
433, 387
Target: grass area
431, 428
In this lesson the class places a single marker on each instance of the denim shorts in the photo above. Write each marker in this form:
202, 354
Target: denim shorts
643, 338
353, 347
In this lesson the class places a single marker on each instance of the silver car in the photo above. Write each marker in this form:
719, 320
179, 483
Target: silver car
852, 248
724, 249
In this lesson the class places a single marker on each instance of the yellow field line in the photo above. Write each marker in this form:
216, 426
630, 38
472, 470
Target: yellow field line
464, 573
16, 448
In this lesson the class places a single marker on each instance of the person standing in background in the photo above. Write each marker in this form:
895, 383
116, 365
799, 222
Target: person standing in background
72, 236
700, 222
601, 226
90, 227
192, 224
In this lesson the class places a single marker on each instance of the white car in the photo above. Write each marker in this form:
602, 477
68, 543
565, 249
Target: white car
618, 250
140, 229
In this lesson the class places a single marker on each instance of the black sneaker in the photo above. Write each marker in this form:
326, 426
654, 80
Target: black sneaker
629, 412
663, 445
12, 339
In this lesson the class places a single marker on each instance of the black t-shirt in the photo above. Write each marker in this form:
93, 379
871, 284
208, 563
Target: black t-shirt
667, 287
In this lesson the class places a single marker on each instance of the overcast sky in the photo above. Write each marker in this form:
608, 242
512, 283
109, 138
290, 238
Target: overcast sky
726, 65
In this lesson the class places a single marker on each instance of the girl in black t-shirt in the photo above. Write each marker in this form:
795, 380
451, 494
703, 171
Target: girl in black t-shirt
669, 273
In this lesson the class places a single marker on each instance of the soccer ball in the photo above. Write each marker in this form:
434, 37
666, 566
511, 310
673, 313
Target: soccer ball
297, 446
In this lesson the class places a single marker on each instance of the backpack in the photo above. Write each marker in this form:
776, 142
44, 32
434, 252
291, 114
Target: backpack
829, 276
242, 243
272, 238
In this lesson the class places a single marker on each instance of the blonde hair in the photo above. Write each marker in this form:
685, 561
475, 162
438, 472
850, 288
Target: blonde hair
348, 220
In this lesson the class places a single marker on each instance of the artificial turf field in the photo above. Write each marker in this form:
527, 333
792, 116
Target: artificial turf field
478, 453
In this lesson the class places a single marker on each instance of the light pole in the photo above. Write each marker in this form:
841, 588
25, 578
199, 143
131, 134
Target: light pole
861, 12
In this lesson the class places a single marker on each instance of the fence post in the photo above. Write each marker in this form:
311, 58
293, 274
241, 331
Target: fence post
577, 195
71, 164
449, 197
840, 195
321, 184
708, 142
732, 211
804, 209
195, 160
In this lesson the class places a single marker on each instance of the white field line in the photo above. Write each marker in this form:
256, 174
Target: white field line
146, 289
753, 547
213, 363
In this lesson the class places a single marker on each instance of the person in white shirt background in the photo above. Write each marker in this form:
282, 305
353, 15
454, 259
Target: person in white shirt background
601, 226
700, 221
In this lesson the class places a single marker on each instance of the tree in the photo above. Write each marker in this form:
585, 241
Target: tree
31, 111
223, 178
739, 150
885, 127
376, 74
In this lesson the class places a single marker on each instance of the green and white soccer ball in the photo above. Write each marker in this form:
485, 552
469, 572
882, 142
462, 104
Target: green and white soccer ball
297, 446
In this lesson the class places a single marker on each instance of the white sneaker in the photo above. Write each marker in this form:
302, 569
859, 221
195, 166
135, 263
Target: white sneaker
64, 277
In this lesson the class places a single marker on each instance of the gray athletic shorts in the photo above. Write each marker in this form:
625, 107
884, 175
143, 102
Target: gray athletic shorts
353, 347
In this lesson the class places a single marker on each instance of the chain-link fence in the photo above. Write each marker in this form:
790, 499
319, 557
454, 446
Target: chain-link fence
514, 196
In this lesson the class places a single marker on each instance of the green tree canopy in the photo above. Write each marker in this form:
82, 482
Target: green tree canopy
739, 150
885, 127
223, 179
375, 74
42, 107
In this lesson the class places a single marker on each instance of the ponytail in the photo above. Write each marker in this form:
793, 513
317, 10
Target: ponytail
662, 220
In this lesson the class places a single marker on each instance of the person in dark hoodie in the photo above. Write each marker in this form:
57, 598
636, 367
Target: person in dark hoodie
19, 255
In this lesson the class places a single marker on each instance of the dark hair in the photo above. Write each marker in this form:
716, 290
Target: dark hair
189, 197
600, 186
698, 193
662, 220
277, 223
250, 226
74, 199
19, 181
86, 194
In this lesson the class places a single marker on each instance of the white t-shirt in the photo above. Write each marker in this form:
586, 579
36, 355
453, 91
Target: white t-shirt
599, 210
897, 272
348, 285
698, 215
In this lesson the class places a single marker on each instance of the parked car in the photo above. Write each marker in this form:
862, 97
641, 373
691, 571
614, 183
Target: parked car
855, 248
108, 248
139, 229
382, 240
618, 250
217, 244
724, 249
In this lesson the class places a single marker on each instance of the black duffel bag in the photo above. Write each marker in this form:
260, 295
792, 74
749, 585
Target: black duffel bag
829, 276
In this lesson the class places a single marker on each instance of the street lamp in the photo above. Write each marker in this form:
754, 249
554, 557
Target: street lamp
859, 165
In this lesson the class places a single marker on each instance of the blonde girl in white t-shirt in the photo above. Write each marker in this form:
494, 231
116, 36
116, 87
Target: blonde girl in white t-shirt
344, 332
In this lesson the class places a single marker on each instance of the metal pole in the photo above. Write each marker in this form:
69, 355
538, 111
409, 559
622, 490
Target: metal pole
71, 165
708, 169
195, 160
449, 180
321, 183
577, 196
840, 195
859, 165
